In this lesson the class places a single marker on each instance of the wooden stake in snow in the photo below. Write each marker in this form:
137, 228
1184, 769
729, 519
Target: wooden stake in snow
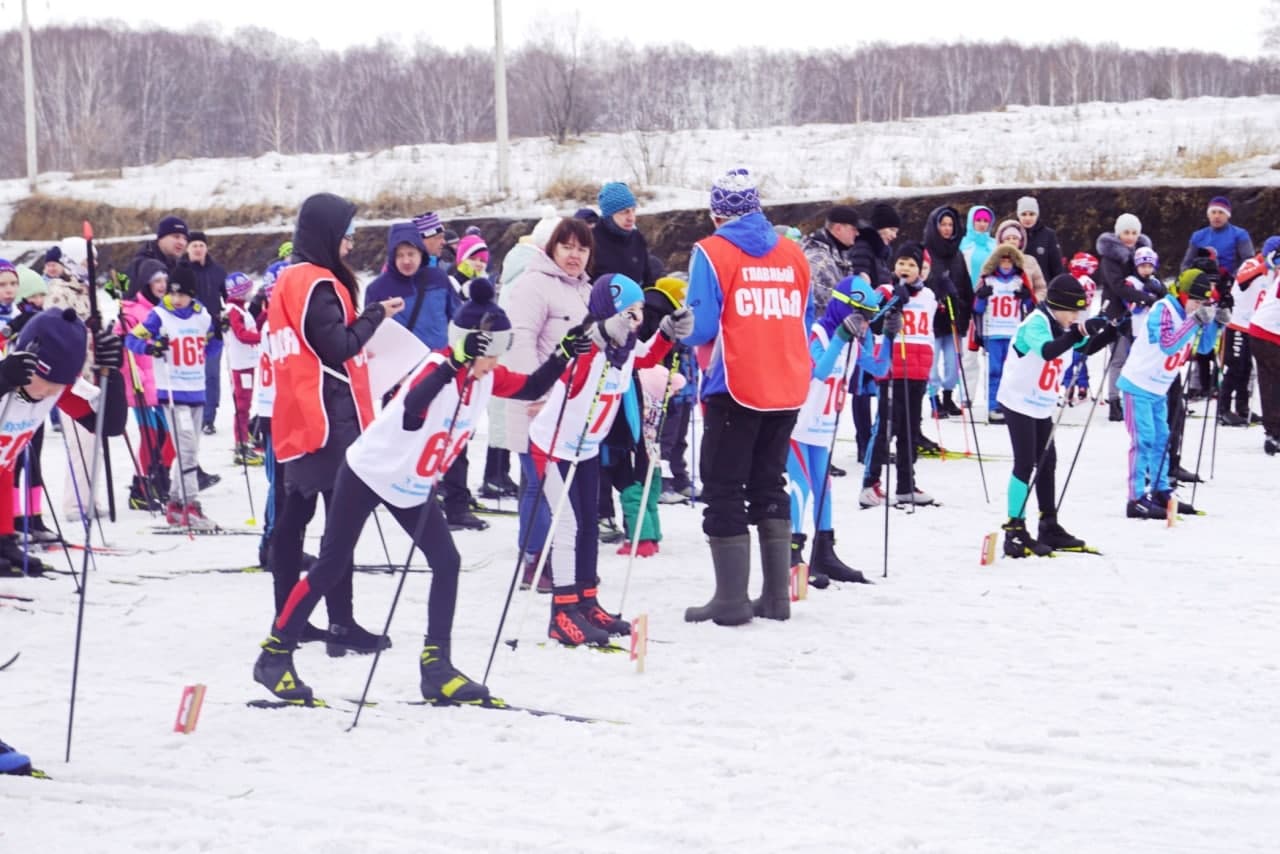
189, 709
639, 641
989, 549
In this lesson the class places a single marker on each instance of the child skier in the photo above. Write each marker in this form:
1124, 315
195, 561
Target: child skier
842, 336
588, 393
178, 333
242, 354
1001, 300
1264, 340
397, 462
1236, 381
260, 409
912, 358
1165, 335
1076, 382
1028, 395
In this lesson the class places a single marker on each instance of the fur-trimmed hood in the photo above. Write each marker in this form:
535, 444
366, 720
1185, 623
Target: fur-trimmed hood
1014, 224
1002, 251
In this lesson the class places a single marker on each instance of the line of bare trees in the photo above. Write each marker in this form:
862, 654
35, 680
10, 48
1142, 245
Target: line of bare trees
108, 96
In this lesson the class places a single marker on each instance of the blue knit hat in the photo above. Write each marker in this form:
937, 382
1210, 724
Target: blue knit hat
171, 225
734, 194
615, 196
238, 286
60, 341
6, 266
611, 293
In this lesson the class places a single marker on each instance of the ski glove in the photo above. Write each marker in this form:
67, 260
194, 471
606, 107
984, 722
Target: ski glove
892, 324
158, 347
1203, 315
108, 351
1095, 326
576, 342
984, 292
618, 328
854, 327
677, 324
17, 370
1222, 315
469, 346
14, 326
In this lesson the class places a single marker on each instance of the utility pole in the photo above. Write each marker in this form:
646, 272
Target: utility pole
499, 100
29, 98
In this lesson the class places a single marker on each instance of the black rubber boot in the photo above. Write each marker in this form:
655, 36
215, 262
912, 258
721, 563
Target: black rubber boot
825, 560
729, 606
1019, 543
775, 566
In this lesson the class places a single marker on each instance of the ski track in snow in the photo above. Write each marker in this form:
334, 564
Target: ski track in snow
1105, 704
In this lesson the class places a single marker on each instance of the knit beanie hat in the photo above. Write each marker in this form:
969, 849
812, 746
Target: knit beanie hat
183, 281
1008, 227
1028, 204
1145, 255
1195, 284
734, 194
198, 237
481, 312
7, 267
54, 254
1221, 203
238, 286
615, 196
1066, 293
30, 284
912, 250
1128, 222
170, 225
983, 213
428, 224
611, 293
472, 246
285, 250
1271, 250
1084, 263
60, 341
842, 215
884, 215
545, 227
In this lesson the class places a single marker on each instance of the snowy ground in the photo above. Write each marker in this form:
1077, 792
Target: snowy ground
1101, 704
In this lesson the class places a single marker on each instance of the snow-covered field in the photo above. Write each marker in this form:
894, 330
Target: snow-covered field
1139, 142
1121, 703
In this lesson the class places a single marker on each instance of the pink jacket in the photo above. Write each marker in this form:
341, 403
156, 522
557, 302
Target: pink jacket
543, 303
132, 312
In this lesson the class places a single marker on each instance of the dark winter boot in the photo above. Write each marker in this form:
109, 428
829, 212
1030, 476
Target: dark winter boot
13, 762
949, 405
1271, 446
775, 566
441, 682
729, 606
589, 605
1178, 473
354, 639
142, 496
530, 565
816, 579
569, 625
1184, 508
11, 551
939, 408
1055, 536
1145, 508
35, 529
274, 671
1115, 412
825, 560
1018, 543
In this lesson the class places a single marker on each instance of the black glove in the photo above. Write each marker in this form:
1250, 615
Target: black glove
256, 304
1022, 294
17, 369
158, 347
1147, 299
108, 351
984, 292
412, 420
575, 342
224, 325
1095, 326
20, 320
469, 347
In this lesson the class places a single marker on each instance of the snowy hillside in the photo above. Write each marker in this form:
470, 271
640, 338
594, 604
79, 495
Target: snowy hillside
1229, 140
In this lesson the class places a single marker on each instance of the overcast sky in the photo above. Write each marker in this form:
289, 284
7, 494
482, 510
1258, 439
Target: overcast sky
705, 24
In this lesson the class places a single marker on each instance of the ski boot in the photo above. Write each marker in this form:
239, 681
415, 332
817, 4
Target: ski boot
1178, 473
35, 529
463, 519
609, 531
173, 514
775, 565
18, 764
195, 518
526, 574
1115, 412
919, 499
589, 607
274, 671
1184, 508
871, 496
949, 405
11, 551
1055, 536
926, 447
1271, 446
820, 580
1145, 508
442, 683
826, 562
246, 456
142, 496
1018, 543
204, 479
569, 624
354, 639
729, 605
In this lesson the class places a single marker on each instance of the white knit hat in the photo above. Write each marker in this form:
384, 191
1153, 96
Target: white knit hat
1128, 222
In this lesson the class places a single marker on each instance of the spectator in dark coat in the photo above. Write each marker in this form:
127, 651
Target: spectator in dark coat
169, 247
620, 247
1042, 241
872, 252
949, 281
211, 287
827, 251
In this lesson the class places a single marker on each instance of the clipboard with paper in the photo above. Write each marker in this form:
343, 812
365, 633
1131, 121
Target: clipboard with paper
393, 353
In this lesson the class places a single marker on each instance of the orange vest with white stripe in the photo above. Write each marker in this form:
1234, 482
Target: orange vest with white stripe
763, 340
300, 424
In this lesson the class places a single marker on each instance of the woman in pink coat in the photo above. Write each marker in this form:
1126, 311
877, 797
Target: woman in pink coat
155, 449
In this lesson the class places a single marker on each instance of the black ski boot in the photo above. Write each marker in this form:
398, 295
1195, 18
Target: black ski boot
569, 623
589, 606
1178, 473
817, 579
1055, 536
825, 560
441, 682
354, 639
1145, 508
274, 671
1271, 445
11, 551
775, 565
729, 605
1018, 543
1184, 508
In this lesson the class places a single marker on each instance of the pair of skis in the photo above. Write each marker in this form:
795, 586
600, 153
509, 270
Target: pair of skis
494, 703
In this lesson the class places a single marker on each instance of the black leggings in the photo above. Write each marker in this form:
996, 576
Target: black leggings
907, 397
286, 552
1030, 437
353, 502
1239, 365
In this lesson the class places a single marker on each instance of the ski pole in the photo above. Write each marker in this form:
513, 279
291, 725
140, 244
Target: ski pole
968, 408
1102, 383
1220, 347
694, 413
1204, 426
528, 532
911, 445
423, 515
845, 376
886, 418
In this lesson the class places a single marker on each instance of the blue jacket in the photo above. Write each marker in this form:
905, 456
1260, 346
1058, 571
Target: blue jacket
439, 300
1231, 242
754, 235
141, 336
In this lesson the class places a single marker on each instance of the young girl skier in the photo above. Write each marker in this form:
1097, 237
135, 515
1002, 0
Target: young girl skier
397, 462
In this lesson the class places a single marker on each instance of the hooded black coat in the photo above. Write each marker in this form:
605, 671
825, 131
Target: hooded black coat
948, 273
